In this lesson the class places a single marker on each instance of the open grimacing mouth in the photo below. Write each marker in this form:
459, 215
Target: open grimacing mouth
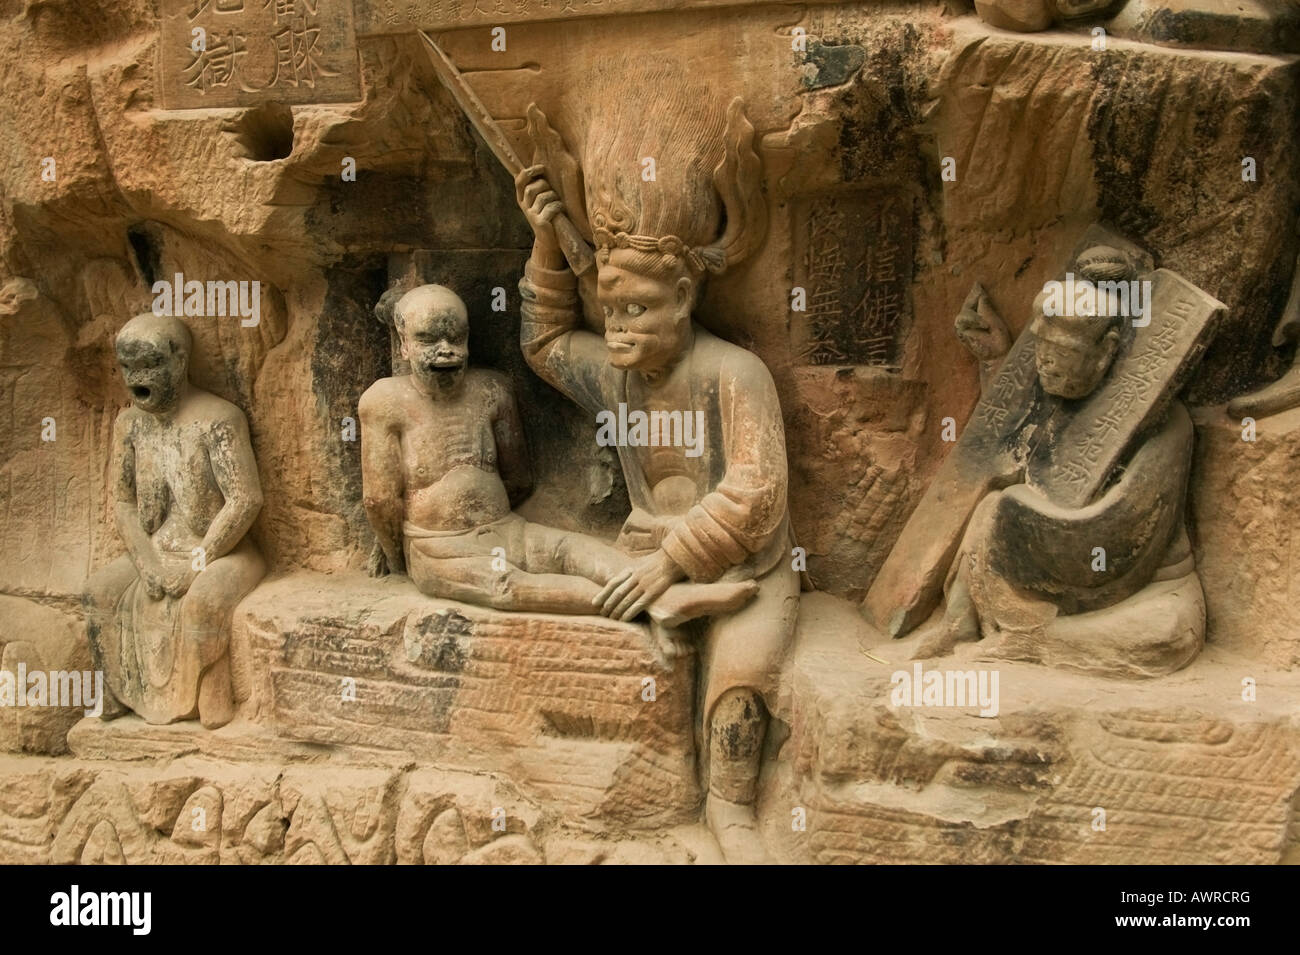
444, 366
141, 392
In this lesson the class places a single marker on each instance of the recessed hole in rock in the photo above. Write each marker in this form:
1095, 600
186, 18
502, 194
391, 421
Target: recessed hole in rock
264, 134
144, 246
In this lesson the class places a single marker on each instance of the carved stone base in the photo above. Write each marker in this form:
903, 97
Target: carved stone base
1245, 497
582, 712
1180, 768
334, 807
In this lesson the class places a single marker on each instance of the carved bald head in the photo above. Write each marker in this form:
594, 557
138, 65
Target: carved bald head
434, 327
1074, 346
153, 352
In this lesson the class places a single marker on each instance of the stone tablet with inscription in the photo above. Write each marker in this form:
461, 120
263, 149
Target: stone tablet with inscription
222, 53
1065, 450
1141, 384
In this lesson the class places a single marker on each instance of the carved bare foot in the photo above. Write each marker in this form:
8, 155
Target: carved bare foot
1279, 396
736, 829
377, 563
932, 640
683, 602
959, 622
670, 641
112, 707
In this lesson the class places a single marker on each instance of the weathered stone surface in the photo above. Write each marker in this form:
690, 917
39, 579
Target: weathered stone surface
902, 155
260, 811
555, 702
1257, 26
1187, 772
40, 638
1242, 496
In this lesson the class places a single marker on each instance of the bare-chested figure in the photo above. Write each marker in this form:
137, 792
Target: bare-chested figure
443, 462
186, 491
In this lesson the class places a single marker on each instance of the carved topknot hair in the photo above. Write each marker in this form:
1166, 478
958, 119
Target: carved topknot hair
1102, 263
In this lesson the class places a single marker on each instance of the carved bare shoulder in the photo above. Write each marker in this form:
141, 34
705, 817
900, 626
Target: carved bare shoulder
379, 402
222, 420
494, 387
208, 407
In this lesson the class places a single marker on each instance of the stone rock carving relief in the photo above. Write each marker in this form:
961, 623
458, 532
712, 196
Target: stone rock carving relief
186, 491
669, 432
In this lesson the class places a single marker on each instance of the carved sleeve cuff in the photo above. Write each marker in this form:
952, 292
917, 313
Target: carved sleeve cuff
549, 286
703, 546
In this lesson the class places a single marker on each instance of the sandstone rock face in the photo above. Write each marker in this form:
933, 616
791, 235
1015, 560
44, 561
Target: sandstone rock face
1243, 490
800, 199
571, 708
1069, 769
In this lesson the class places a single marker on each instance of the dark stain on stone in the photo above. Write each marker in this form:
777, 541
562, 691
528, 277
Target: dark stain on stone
834, 64
146, 247
1203, 29
1123, 129
380, 210
444, 643
351, 351
880, 113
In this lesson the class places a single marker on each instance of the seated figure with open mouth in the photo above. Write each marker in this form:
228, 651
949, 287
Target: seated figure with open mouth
186, 492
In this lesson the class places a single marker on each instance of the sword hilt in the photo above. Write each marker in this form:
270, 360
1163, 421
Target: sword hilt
573, 245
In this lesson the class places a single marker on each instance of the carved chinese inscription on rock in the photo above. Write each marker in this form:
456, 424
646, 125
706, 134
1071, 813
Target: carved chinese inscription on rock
221, 53
854, 256
405, 16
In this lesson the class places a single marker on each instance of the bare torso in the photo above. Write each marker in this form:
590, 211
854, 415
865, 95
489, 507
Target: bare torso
176, 492
449, 457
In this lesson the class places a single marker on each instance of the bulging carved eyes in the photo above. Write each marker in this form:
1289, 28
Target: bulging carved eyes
609, 311
635, 309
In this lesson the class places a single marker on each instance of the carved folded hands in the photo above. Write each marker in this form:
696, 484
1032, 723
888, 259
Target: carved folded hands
980, 328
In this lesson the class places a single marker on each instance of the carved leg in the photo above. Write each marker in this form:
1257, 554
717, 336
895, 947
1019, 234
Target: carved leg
475, 581
205, 622
216, 698
548, 593
99, 600
550, 549
738, 726
960, 619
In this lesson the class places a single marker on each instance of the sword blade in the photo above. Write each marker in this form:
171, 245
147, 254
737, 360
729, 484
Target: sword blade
473, 107
572, 244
